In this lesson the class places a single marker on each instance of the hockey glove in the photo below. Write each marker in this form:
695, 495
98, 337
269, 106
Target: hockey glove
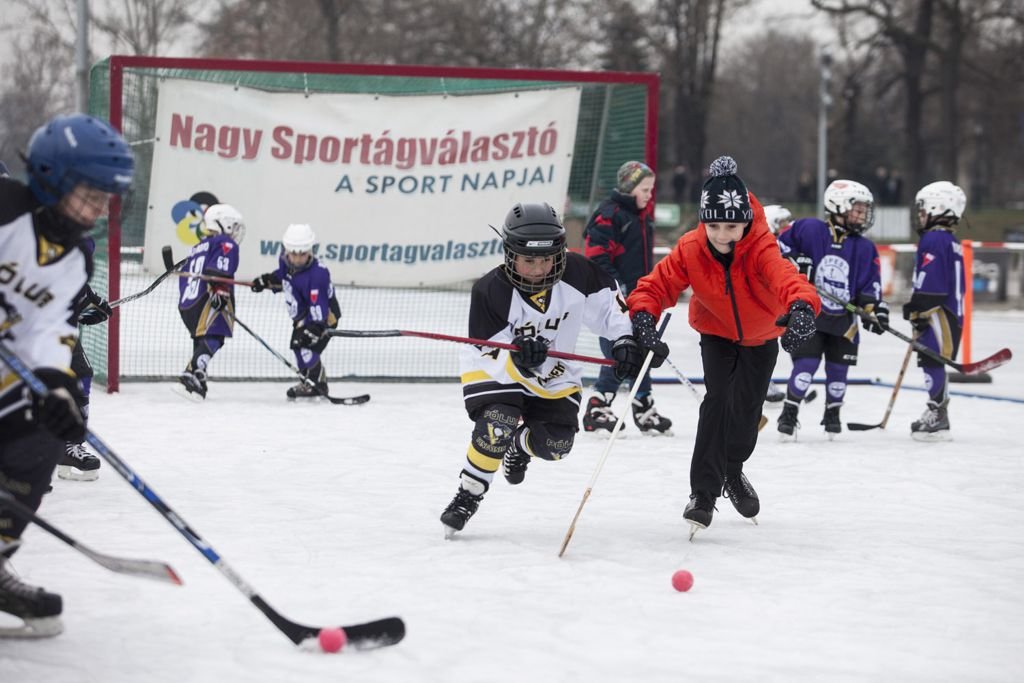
266, 281
647, 337
95, 314
532, 353
58, 411
799, 324
879, 319
628, 358
804, 264
310, 335
917, 316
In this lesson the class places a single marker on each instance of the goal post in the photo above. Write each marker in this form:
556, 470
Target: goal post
399, 169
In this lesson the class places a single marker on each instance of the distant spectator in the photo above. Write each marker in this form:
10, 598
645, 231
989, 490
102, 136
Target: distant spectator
880, 185
893, 189
805, 189
679, 183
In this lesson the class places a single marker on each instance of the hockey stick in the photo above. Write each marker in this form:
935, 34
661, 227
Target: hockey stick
858, 427
342, 401
170, 268
462, 340
372, 634
684, 380
1000, 357
619, 424
150, 569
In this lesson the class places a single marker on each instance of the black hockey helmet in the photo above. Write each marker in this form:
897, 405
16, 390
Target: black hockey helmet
533, 230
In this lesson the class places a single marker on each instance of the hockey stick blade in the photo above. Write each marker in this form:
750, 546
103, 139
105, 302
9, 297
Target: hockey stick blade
858, 427
368, 636
347, 400
167, 256
997, 359
149, 569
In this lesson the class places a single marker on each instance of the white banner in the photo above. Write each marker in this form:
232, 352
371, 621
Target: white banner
399, 190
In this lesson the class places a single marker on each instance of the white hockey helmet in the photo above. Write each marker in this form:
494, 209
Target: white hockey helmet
942, 202
224, 219
777, 216
299, 238
841, 195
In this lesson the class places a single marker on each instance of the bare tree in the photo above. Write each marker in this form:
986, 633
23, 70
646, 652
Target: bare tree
689, 34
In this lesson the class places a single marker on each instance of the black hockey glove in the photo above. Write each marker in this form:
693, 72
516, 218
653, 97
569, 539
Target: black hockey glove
879, 319
799, 324
58, 411
804, 264
99, 312
628, 358
310, 335
647, 337
266, 281
532, 353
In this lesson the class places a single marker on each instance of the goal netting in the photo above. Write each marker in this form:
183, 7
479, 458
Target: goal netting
400, 171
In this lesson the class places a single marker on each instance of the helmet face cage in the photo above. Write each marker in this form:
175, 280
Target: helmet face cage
533, 230
841, 195
74, 149
942, 202
224, 219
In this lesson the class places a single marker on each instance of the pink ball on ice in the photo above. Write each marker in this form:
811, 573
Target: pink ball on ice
682, 580
332, 639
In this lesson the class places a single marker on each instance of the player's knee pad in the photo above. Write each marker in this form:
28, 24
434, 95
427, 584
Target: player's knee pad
547, 441
494, 428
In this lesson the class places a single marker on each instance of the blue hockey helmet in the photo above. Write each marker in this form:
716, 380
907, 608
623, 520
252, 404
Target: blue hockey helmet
74, 149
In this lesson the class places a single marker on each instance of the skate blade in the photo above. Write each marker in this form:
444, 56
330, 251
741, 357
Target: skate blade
831, 435
71, 473
694, 528
787, 438
604, 434
180, 390
931, 437
449, 532
656, 433
45, 627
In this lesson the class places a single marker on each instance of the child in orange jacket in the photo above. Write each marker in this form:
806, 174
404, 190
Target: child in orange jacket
743, 293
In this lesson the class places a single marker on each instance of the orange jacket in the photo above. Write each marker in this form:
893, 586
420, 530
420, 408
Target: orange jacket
741, 305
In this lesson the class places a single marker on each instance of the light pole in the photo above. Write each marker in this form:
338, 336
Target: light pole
82, 58
824, 104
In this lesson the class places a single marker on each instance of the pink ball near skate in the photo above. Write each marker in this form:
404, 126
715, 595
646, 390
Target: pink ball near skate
682, 580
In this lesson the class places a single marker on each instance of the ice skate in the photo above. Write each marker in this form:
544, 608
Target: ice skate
647, 419
305, 390
775, 396
192, 385
933, 425
458, 512
742, 495
78, 464
514, 463
788, 424
599, 415
699, 512
39, 610
831, 420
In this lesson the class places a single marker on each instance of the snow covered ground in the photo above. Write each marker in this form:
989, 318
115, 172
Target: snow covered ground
876, 557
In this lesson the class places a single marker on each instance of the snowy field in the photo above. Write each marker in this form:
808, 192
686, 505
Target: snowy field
876, 557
